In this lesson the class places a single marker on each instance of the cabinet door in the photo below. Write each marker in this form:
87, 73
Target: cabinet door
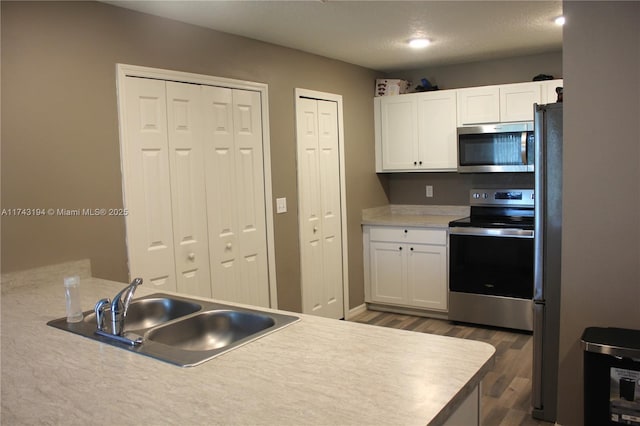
399, 132
478, 105
437, 131
427, 276
516, 101
387, 272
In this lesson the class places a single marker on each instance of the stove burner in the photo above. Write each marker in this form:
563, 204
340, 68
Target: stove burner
493, 210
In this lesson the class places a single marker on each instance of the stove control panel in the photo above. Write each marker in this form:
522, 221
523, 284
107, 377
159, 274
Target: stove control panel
502, 197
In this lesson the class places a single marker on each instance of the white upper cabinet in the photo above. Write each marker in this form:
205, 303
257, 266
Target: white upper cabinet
516, 101
478, 105
398, 131
503, 103
437, 147
416, 132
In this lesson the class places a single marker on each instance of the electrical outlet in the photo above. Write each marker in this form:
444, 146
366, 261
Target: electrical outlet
281, 205
429, 191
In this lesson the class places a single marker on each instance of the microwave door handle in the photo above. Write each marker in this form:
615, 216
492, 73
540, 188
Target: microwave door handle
523, 148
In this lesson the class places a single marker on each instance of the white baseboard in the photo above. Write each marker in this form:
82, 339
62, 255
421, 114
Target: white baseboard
356, 311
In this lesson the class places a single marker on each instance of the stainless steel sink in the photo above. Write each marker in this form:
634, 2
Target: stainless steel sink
210, 330
149, 312
184, 331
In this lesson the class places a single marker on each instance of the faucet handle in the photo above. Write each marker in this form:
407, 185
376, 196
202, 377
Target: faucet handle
99, 310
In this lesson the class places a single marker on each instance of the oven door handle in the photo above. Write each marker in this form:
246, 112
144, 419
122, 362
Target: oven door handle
492, 232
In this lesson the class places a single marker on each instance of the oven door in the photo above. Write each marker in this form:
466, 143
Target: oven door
491, 261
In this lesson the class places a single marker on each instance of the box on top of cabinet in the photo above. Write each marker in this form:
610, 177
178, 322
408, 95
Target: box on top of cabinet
391, 87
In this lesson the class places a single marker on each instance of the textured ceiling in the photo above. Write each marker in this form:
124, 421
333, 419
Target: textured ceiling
373, 34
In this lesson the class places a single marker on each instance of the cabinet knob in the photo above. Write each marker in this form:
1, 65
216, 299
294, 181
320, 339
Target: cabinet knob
405, 231
420, 162
411, 249
191, 256
415, 163
315, 229
228, 246
400, 248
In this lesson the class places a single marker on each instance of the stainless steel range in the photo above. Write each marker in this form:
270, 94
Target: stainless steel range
491, 260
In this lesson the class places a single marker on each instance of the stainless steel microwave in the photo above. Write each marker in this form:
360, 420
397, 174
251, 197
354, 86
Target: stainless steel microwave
500, 147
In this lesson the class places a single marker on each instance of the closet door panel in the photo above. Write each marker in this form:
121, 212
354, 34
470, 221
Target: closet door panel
186, 132
147, 183
235, 195
310, 206
219, 156
247, 118
328, 142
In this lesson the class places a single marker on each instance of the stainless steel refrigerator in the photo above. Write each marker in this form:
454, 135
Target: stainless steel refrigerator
547, 259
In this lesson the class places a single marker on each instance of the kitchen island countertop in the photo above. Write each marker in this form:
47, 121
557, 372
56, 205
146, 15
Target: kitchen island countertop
315, 372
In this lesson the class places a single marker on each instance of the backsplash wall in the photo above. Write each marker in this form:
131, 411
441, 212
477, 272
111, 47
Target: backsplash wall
448, 188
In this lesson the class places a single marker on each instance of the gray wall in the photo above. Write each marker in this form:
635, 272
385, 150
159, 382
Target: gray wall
601, 223
60, 145
498, 71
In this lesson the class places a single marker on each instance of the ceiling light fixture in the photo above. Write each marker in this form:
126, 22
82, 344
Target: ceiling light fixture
419, 43
560, 20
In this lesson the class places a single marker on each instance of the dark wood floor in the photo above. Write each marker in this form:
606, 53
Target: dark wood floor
506, 389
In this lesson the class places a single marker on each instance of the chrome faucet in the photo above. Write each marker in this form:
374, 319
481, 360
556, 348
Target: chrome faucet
118, 307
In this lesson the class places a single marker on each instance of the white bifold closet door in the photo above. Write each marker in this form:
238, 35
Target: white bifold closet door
235, 195
165, 186
194, 189
319, 207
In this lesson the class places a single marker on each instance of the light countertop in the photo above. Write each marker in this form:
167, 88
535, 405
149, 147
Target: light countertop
410, 215
314, 372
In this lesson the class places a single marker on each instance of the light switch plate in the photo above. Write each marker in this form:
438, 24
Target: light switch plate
281, 205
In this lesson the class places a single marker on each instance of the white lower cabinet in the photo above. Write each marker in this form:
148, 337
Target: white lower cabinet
406, 266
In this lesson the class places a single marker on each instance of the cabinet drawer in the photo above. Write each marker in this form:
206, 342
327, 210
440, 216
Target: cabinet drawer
408, 234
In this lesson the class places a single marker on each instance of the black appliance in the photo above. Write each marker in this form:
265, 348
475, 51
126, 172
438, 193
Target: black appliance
611, 376
491, 260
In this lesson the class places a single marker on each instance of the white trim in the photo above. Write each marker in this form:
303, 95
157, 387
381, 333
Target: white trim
305, 93
356, 311
124, 70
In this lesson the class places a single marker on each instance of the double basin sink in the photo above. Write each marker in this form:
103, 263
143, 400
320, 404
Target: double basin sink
180, 330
